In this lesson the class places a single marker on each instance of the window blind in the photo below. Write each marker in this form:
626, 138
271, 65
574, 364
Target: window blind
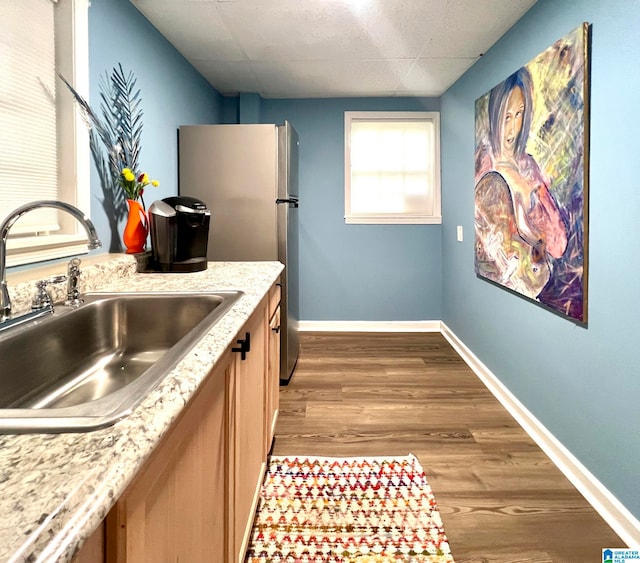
390, 167
28, 154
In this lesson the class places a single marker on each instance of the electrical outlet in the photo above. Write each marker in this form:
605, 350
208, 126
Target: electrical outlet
460, 233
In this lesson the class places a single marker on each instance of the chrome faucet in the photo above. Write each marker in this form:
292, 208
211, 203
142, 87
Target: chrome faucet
93, 242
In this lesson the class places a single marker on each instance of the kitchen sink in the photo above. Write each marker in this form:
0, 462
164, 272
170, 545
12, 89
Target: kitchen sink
88, 367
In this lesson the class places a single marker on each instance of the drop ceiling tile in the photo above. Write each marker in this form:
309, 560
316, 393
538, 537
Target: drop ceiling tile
469, 27
311, 79
331, 48
399, 29
229, 78
328, 29
431, 77
196, 29
284, 31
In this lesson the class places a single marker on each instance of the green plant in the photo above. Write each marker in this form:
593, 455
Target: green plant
118, 130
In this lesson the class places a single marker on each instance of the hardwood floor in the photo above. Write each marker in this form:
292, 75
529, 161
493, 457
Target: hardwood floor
500, 497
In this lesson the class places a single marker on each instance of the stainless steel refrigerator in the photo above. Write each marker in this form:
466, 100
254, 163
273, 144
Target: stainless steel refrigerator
248, 177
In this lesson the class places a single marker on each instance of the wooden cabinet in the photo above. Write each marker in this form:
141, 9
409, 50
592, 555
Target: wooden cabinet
195, 497
246, 447
175, 508
253, 407
93, 549
272, 386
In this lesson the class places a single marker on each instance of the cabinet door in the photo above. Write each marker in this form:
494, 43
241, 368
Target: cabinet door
247, 408
175, 508
93, 549
272, 391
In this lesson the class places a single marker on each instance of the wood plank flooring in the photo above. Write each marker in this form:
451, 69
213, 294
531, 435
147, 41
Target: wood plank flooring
500, 497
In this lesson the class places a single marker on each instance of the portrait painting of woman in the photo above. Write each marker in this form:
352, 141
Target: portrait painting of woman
530, 181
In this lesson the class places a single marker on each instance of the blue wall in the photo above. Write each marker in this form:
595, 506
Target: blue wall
581, 383
173, 93
347, 272
354, 272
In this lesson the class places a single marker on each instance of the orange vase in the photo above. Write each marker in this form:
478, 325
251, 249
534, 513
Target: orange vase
136, 229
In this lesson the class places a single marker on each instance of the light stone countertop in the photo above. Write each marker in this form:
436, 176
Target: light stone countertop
55, 489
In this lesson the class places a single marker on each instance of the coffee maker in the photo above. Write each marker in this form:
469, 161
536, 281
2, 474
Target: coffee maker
179, 228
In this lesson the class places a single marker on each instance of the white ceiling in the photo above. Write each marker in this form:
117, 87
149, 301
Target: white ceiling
332, 48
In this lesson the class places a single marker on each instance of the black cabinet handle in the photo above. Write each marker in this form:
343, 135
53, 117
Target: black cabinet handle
276, 329
245, 346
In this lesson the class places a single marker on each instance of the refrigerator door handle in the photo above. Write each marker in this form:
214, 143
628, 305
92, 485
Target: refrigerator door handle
293, 202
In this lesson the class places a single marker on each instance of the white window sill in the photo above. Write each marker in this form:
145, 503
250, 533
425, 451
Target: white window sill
392, 220
28, 251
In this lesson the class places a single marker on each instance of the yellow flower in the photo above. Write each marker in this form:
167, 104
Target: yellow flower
133, 183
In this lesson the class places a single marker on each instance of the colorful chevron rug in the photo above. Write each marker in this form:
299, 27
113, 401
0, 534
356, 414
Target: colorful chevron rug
339, 510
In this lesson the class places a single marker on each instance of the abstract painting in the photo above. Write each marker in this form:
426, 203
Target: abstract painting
531, 178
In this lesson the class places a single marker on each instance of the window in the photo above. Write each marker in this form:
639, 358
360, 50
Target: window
392, 167
44, 147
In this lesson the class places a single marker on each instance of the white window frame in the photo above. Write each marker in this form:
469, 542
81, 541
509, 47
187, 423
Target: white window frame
435, 217
74, 156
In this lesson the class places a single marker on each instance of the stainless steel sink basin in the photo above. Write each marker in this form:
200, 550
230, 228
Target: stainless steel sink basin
86, 368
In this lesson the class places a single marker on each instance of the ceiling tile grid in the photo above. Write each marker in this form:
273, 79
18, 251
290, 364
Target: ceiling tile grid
332, 48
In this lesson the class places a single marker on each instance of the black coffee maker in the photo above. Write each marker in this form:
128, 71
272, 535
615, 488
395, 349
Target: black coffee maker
179, 234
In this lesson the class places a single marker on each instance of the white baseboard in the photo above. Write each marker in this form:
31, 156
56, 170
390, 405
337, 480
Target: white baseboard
625, 524
369, 326
603, 501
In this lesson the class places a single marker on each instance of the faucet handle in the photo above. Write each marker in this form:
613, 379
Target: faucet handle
42, 297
